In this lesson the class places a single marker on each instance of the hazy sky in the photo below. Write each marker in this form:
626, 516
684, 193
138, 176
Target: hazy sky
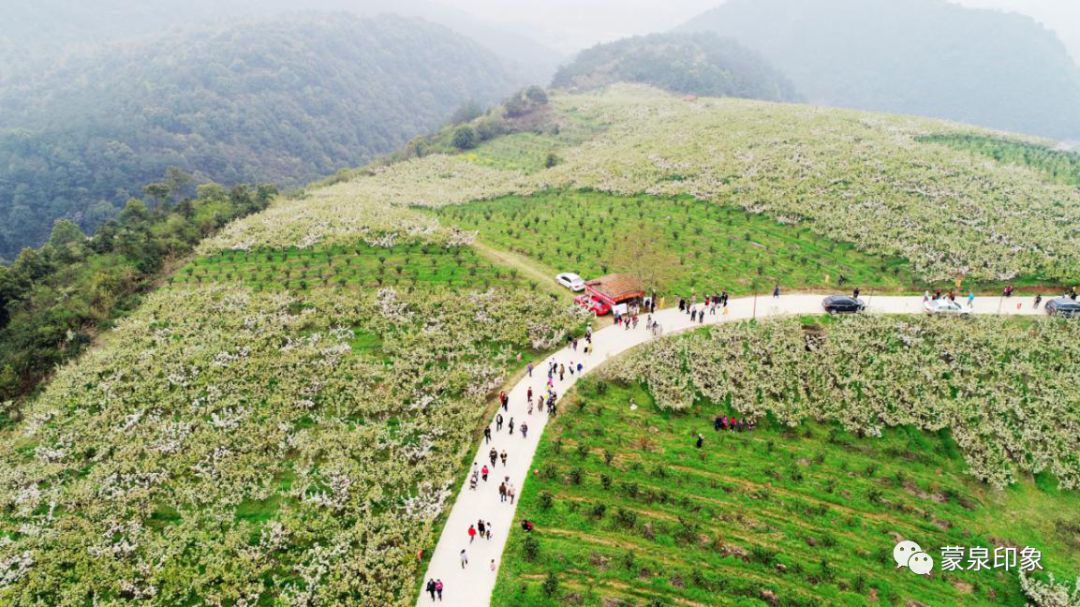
570, 25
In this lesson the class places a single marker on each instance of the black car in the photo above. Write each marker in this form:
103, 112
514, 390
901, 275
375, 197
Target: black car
1063, 307
842, 304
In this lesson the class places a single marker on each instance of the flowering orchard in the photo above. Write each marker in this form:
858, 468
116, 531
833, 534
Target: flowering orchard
229, 447
1005, 389
851, 177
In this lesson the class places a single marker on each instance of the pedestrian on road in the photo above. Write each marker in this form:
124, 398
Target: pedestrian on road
464, 558
1038, 300
484, 473
493, 564
498, 422
438, 588
776, 292
487, 434
971, 298
524, 430
856, 292
481, 529
528, 395
580, 367
431, 588
489, 528
472, 533
502, 456
502, 492
529, 367
493, 455
510, 492
511, 426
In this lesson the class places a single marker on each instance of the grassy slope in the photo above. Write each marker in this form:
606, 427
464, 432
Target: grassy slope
807, 515
717, 246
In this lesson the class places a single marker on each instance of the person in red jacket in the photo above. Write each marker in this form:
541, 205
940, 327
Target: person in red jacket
472, 533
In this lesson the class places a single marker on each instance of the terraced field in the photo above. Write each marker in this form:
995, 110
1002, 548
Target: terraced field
629, 512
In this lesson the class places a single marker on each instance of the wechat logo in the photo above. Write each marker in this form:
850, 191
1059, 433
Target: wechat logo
909, 554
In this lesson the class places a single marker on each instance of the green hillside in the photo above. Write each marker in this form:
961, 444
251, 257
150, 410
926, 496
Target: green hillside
283, 102
926, 57
796, 512
696, 64
285, 420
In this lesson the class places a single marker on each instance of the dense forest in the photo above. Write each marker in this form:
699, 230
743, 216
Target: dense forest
926, 57
699, 63
55, 298
281, 102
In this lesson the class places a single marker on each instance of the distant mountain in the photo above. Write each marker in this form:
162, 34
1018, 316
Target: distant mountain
40, 33
926, 57
283, 101
698, 63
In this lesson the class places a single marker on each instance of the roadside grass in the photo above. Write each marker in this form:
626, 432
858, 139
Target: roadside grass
717, 246
627, 509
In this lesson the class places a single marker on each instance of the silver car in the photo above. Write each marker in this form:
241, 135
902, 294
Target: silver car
946, 306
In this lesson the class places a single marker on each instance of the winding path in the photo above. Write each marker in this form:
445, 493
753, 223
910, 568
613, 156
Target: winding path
472, 585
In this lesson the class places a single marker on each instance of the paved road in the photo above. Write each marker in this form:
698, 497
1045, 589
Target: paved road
472, 585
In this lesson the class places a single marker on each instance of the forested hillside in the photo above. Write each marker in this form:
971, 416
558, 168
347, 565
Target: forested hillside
38, 34
699, 64
282, 101
926, 57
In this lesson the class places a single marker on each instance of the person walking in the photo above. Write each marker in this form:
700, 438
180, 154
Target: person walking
481, 529
493, 455
529, 368
439, 588
487, 434
492, 565
502, 492
484, 473
430, 588
502, 456
776, 292
524, 430
1038, 300
856, 292
472, 533
464, 558
498, 422
971, 298
511, 426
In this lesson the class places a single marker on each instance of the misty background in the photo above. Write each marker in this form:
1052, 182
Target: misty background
99, 98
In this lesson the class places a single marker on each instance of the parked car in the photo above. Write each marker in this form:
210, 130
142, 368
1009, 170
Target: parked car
1063, 307
944, 305
842, 304
571, 281
593, 304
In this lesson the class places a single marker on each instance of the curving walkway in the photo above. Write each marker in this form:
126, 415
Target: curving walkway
472, 585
